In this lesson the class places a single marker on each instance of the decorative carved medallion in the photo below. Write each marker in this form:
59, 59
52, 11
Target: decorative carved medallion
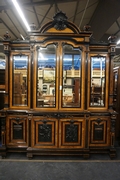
112, 38
98, 121
7, 36
60, 21
87, 27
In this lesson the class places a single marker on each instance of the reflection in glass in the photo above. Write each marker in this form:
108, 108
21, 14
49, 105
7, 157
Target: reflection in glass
20, 71
46, 92
2, 70
71, 76
97, 97
2, 62
115, 84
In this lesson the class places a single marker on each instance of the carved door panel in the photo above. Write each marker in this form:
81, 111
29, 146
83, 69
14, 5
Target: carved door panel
99, 131
17, 131
44, 132
72, 133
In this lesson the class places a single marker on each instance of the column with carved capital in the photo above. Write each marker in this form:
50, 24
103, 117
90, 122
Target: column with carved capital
7, 54
112, 53
32, 51
112, 134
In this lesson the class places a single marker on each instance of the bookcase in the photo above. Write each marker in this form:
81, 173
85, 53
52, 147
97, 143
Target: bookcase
59, 97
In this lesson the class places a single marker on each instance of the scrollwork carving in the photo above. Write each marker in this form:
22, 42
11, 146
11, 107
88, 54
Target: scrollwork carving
98, 130
71, 132
45, 132
60, 21
17, 119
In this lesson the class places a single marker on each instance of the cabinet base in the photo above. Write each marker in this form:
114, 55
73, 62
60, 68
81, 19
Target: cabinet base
3, 151
85, 153
60, 152
110, 151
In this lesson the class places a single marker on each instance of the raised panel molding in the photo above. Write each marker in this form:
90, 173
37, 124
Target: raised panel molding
99, 129
71, 133
44, 132
17, 131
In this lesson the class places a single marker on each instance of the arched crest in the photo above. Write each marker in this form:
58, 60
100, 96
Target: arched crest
60, 24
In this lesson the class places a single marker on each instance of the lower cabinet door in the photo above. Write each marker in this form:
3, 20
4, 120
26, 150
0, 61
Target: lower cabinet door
44, 132
54, 133
72, 133
99, 131
17, 131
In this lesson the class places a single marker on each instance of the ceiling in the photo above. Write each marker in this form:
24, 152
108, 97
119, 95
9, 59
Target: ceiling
102, 15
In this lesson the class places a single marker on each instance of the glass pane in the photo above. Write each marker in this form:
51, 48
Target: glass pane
71, 76
115, 83
97, 97
46, 83
2, 61
2, 69
20, 73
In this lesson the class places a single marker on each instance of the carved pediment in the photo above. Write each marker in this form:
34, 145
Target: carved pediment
60, 21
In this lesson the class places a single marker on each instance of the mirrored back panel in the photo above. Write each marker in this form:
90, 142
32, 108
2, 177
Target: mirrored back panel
20, 80
71, 74
98, 79
46, 77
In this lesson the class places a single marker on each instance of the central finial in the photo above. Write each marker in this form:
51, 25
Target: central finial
60, 21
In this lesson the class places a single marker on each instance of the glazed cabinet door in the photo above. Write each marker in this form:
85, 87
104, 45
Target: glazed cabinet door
99, 131
45, 92
98, 78
71, 77
17, 131
44, 132
58, 77
19, 81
